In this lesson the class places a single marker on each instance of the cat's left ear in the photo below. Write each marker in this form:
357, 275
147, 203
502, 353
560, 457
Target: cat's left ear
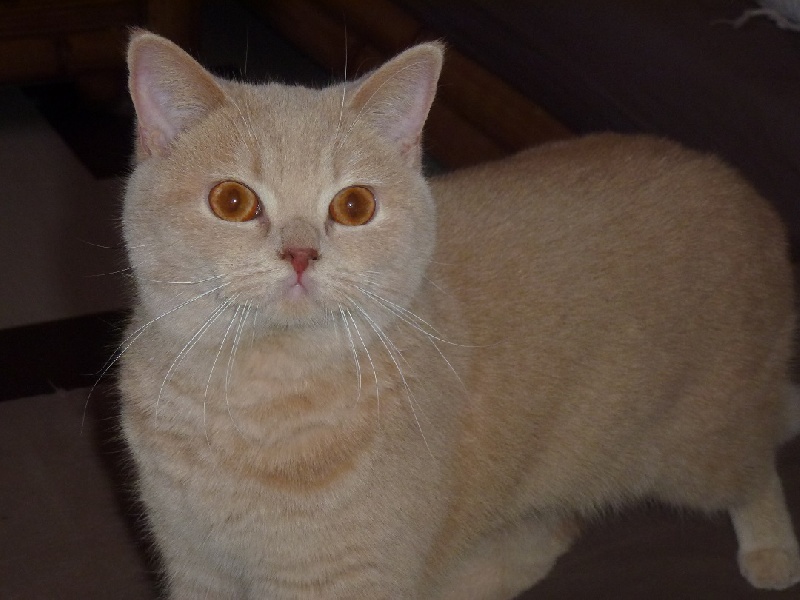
396, 97
170, 90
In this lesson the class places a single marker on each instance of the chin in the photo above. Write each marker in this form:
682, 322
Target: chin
300, 310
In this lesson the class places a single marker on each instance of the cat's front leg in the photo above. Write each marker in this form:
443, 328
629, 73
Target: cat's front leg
768, 551
511, 560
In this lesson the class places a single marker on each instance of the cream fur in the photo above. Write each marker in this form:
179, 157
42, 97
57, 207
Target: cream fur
579, 326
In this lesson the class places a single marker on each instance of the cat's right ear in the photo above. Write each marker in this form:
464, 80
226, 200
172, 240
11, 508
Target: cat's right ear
170, 91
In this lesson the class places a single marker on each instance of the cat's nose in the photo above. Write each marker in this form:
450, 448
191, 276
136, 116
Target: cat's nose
299, 257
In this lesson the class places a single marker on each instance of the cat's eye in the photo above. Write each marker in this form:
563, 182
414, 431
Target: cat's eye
234, 201
354, 205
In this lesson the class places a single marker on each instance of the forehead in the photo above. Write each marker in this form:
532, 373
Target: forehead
295, 130
295, 124
295, 143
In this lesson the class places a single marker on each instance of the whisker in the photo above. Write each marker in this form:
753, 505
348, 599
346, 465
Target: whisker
255, 321
247, 125
397, 310
449, 365
128, 342
246, 50
101, 246
187, 347
369, 359
219, 351
189, 282
410, 317
400, 311
132, 337
391, 349
125, 271
344, 84
437, 286
355, 353
229, 371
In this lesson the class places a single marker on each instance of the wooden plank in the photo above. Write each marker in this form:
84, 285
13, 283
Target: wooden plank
455, 142
28, 59
388, 27
37, 19
317, 34
96, 50
178, 20
483, 98
477, 116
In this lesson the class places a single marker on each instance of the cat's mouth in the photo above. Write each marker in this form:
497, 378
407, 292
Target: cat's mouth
297, 292
299, 296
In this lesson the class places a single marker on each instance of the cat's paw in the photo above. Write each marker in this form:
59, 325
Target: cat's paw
771, 568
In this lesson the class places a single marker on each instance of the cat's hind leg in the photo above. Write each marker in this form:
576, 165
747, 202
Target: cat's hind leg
511, 560
768, 549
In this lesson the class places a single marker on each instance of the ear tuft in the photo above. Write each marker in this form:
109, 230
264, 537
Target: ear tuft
397, 96
170, 91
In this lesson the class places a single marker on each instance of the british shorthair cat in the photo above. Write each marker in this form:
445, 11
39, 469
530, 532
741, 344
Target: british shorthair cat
344, 381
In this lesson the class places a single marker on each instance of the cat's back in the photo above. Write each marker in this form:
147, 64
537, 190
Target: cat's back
617, 292
612, 223
607, 185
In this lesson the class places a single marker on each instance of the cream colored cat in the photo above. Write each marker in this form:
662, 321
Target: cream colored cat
344, 381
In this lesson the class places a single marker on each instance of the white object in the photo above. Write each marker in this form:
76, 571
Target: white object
784, 13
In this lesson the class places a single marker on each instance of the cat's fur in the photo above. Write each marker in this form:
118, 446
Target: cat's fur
500, 352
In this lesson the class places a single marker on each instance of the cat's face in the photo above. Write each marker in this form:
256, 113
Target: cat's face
302, 204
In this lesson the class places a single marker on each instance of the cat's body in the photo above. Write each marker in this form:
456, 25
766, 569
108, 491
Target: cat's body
459, 379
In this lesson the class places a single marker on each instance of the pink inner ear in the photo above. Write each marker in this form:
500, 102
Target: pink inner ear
397, 97
415, 102
170, 90
154, 107
408, 128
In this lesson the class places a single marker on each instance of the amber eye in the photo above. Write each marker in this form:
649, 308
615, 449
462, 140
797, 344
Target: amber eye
354, 205
234, 201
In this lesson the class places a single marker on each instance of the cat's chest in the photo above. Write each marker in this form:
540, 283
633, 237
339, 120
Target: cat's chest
300, 514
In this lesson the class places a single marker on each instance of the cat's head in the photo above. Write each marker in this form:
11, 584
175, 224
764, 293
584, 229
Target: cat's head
289, 199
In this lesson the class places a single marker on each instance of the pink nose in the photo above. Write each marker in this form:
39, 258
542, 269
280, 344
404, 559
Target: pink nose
299, 257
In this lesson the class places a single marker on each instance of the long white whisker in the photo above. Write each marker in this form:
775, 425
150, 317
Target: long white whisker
129, 341
344, 85
187, 282
355, 353
391, 349
450, 366
400, 312
255, 321
125, 271
237, 338
247, 125
436, 286
369, 359
219, 351
132, 337
410, 318
187, 347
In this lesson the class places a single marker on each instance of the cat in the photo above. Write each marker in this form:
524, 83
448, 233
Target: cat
342, 380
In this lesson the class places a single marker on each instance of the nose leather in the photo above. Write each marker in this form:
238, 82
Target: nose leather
299, 244
300, 257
